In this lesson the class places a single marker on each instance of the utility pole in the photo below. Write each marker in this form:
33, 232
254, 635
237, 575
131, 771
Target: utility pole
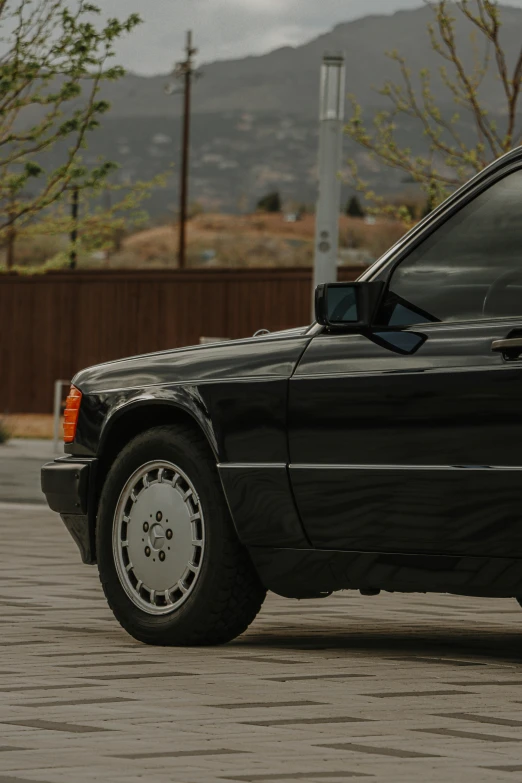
75, 208
331, 117
185, 71
185, 163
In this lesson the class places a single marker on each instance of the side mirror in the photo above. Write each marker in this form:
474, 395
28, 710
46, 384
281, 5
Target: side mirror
347, 305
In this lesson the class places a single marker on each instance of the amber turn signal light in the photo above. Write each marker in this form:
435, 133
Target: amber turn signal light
72, 410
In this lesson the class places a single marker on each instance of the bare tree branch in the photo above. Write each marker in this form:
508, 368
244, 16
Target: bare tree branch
446, 150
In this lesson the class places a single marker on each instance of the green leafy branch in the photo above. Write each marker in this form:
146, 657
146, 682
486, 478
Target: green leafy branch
51, 75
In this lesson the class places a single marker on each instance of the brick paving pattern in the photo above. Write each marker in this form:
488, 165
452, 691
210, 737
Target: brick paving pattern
391, 688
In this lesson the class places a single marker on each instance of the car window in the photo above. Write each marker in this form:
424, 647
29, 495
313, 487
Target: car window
469, 268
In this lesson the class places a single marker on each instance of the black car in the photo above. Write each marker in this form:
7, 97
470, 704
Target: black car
379, 449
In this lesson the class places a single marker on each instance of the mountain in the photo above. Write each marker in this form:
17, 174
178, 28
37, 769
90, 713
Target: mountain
287, 80
255, 119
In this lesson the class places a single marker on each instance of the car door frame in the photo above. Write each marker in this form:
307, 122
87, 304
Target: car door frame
385, 268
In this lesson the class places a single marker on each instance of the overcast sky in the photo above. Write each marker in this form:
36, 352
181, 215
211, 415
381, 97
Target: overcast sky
233, 28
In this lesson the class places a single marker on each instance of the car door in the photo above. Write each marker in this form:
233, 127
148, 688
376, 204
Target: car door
408, 437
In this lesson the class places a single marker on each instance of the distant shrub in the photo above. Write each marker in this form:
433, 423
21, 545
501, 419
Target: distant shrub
354, 209
4, 432
34, 251
270, 203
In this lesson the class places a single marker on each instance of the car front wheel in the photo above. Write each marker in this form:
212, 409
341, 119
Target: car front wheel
171, 566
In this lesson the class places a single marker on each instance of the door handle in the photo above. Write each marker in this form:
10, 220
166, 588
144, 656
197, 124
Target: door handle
511, 347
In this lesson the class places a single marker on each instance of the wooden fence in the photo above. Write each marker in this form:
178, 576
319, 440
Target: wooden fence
53, 325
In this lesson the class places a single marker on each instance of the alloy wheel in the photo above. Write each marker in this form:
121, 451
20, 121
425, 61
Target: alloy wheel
158, 537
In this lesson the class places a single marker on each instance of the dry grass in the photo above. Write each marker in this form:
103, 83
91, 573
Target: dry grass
226, 241
376, 239
259, 240
30, 425
34, 250
250, 240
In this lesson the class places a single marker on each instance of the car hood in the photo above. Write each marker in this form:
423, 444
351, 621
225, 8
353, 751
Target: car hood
272, 355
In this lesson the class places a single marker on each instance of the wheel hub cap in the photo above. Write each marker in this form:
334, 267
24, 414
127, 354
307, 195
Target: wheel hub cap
158, 540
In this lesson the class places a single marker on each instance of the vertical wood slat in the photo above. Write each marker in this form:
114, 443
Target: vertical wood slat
53, 325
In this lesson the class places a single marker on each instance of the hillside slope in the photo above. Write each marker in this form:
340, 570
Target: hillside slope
287, 80
255, 120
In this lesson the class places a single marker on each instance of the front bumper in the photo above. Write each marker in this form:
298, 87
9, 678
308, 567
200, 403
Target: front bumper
68, 485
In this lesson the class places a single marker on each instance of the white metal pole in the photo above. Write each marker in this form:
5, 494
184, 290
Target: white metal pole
58, 386
331, 116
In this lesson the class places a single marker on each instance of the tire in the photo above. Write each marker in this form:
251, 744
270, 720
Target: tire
218, 594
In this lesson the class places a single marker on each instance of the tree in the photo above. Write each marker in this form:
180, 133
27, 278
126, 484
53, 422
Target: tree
50, 79
270, 203
106, 214
448, 161
354, 209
